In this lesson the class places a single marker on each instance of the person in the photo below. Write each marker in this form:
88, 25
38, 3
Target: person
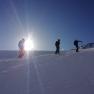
76, 44
21, 48
57, 45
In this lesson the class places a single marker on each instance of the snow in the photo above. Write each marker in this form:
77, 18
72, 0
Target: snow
47, 73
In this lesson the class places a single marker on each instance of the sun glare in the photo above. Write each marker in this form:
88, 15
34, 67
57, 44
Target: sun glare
28, 46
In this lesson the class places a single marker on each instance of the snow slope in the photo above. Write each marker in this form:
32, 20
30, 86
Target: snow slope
69, 73
4, 55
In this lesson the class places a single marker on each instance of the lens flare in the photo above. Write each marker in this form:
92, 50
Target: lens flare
29, 45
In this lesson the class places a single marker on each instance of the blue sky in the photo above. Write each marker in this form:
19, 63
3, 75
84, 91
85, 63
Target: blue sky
46, 21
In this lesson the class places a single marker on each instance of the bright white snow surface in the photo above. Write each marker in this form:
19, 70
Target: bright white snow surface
68, 73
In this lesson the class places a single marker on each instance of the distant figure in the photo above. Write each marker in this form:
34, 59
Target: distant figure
77, 45
21, 48
57, 45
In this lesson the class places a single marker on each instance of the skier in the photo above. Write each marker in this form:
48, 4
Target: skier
21, 48
77, 45
57, 45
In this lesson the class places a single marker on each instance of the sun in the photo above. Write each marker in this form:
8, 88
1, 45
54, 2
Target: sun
29, 45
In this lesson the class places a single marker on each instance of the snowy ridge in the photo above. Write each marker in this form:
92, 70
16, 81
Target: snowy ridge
13, 55
67, 73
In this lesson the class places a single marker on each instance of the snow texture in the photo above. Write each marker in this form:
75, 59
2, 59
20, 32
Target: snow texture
47, 73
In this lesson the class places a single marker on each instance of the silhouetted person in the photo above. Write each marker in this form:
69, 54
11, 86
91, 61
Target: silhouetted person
57, 45
76, 44
21, 48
